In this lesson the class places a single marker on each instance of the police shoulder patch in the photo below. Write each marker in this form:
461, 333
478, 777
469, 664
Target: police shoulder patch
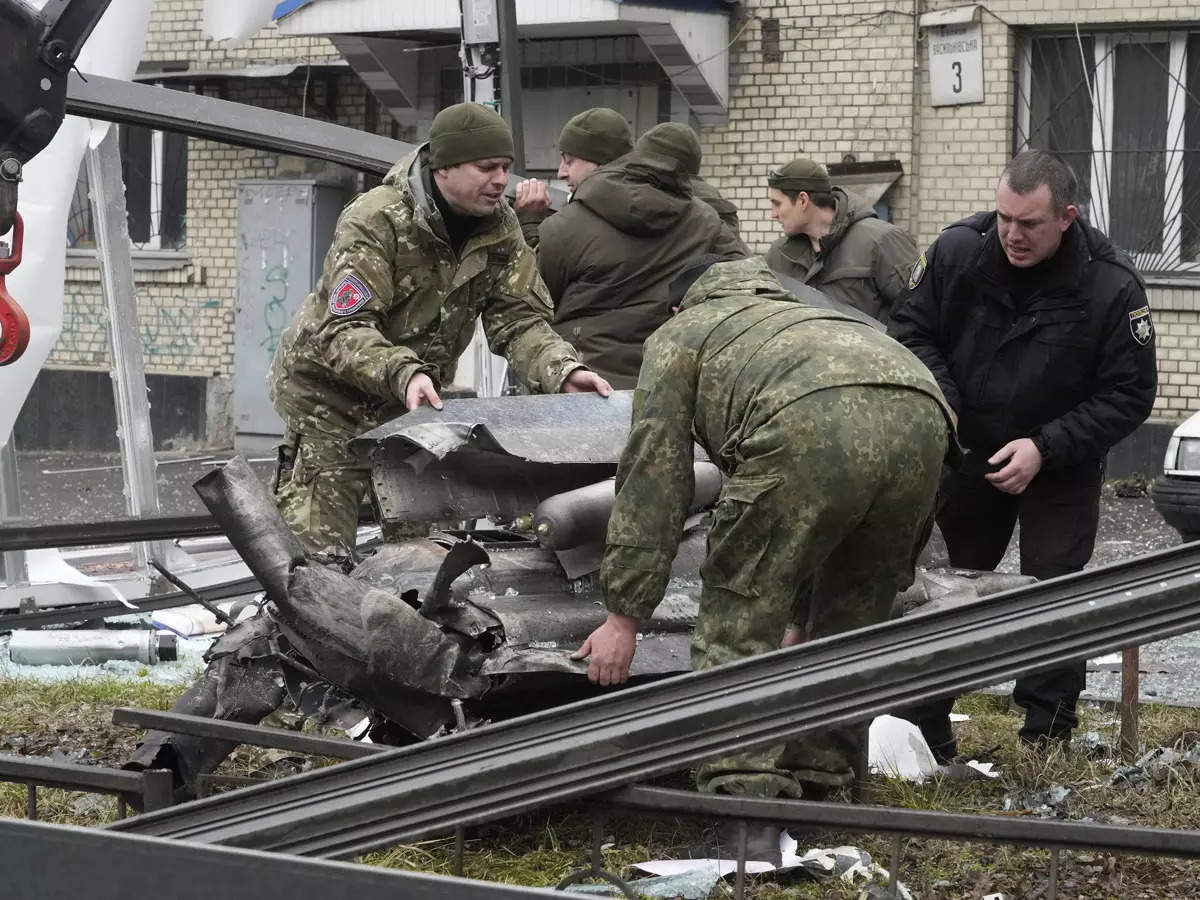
1141, 326
349, 296
918, 272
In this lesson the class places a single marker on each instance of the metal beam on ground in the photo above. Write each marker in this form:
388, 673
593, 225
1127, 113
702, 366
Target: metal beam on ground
256, 735
591, 746
114, 531
42, 861
920, 823
241, 587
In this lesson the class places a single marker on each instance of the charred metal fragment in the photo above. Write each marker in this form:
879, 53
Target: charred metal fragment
239, 502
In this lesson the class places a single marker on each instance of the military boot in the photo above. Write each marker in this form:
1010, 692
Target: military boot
762, 843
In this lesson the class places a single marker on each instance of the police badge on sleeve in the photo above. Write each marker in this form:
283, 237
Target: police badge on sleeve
1141, 326
918, 272
348, 297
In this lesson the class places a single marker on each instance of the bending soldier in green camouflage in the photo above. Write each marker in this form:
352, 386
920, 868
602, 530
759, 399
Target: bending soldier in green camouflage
832, 436
413, 263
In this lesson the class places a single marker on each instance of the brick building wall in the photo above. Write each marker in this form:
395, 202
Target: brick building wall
187, 298
844, 84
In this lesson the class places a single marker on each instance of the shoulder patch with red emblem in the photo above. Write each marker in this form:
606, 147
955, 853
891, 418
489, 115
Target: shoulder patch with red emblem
348, 297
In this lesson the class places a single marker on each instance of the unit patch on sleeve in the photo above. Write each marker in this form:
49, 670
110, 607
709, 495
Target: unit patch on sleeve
348, 297
1141, 326
918, 272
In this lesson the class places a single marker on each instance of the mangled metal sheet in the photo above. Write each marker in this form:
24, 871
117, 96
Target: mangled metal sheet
495, 457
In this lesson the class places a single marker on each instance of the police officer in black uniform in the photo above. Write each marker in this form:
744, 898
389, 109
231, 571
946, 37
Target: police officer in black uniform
1038, 331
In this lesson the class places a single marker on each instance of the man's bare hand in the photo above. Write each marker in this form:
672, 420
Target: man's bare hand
794, 635
581, 381
1022, 460
611, 648
421, 392
532, 196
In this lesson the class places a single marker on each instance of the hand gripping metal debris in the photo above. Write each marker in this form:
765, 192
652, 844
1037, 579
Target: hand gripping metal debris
588, 747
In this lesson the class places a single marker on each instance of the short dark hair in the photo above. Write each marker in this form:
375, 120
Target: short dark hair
1029, 170
823, 199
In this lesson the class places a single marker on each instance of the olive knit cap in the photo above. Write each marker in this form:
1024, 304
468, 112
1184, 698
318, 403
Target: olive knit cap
801, 175
598, 135
467, 131
674, 140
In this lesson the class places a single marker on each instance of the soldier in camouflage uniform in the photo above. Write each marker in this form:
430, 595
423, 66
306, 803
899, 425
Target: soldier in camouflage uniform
832, 436
413, 263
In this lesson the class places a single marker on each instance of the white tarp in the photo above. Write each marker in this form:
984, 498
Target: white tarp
113, 50
235, 21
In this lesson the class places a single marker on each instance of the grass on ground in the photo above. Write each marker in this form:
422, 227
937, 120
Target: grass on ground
74, 718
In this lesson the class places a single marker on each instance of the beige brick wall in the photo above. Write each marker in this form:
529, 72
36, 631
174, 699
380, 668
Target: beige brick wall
187, 311
845, 85
174, 35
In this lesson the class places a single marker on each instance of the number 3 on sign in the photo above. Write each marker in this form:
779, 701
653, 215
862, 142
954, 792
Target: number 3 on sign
956, 64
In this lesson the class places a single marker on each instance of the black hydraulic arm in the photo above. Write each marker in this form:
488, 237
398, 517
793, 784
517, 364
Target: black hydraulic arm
37, 50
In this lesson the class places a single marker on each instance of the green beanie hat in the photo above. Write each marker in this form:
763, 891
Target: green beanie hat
467, 131
801, 175
598, 135
673, 140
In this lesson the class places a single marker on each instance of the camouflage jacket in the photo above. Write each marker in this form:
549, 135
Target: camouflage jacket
863, 260
394, 300
740, 350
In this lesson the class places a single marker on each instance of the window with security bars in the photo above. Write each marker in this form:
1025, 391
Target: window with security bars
154, 169
1123, 108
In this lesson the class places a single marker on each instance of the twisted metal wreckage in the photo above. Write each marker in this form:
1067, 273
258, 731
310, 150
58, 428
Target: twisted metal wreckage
432, 642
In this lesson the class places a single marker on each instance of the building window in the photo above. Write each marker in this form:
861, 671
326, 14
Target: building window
1124, 109
154, 169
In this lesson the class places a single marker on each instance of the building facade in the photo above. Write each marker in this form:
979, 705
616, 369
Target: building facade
1115, 88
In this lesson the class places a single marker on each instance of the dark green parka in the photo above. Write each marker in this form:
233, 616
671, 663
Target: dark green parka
609, 257
863, 260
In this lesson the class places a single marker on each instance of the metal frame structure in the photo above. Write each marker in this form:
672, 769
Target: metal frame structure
152, 788
566, 753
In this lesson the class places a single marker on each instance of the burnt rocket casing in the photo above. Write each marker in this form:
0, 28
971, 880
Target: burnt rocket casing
239, 501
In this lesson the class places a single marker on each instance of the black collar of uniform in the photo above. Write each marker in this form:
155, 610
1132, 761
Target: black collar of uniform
1065, 269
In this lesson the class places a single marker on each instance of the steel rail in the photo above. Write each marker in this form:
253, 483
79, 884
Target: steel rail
592, 746
255, 735
115, 531
1021, 830
239, 587
42, 862
195, 115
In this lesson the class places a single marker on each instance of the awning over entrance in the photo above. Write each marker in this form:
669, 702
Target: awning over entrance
689, 40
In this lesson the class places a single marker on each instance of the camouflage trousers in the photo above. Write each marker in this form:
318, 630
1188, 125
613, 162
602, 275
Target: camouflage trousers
820, 525
319, 486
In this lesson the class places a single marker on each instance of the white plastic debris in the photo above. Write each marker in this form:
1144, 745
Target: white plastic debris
898, 750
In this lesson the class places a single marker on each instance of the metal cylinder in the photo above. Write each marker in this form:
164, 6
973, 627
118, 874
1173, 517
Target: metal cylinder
578, 517
240, 502
72, 648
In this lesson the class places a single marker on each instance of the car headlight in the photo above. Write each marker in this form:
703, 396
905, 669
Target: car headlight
1188, 457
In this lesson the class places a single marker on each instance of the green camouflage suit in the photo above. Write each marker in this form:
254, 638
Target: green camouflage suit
832, 436
394, 300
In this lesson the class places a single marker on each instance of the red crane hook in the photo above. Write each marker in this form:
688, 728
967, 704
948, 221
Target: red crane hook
14, 324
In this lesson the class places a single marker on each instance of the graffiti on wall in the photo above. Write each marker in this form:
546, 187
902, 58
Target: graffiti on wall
273, 286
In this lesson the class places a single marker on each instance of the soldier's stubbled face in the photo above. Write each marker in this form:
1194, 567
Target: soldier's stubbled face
573, 169
474, 188
1029, 229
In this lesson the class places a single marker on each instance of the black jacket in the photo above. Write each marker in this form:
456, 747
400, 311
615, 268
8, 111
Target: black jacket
1074, 369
